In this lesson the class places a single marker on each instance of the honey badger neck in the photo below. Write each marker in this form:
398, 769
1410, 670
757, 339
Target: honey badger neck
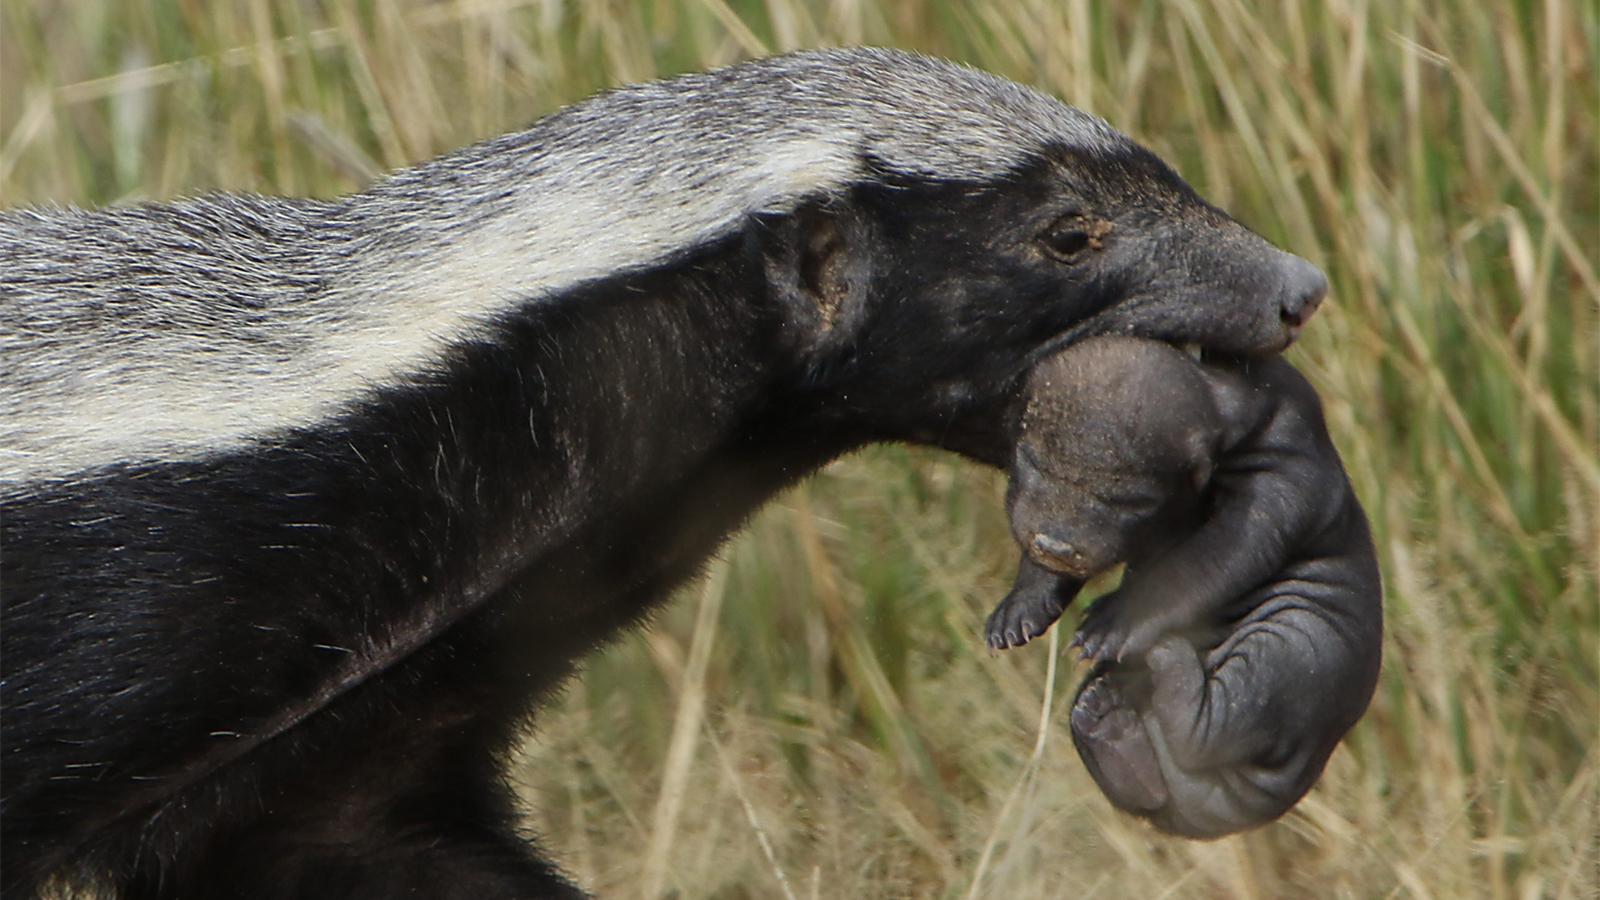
590, 453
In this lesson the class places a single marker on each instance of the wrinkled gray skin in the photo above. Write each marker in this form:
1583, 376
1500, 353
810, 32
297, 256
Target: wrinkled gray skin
1246, 637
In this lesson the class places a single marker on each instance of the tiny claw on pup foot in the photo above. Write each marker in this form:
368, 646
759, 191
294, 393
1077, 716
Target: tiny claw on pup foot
1088, 648
1091, 646
1140, 641
1099, 632
1002, 633
1028, 631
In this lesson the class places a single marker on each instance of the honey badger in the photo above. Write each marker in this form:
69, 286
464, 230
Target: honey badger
308, 503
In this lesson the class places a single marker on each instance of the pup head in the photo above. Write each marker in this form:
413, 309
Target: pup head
1116, 439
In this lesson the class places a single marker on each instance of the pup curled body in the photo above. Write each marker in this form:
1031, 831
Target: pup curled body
1245, 639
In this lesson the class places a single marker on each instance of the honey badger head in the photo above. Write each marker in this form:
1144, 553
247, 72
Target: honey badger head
924, 226
985, 226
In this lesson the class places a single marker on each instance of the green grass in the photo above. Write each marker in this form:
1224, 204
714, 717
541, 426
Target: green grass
821, 721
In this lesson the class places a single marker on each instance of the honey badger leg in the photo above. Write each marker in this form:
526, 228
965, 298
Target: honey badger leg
1036, 600
1112, 741
443, 852
1210, 743
447, 862
420, 815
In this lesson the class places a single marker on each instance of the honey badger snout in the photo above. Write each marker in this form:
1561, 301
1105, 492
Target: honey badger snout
1304, 288
1218, 285
1059, 556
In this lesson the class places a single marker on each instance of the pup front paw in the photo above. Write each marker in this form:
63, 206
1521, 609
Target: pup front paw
1104, 630
1115, 628
1036, 600
1020, 618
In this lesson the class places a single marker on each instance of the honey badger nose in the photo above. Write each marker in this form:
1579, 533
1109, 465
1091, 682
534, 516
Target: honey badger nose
1056, 554
1304, 287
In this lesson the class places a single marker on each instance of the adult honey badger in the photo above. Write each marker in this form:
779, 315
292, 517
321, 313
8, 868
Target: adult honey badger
307, 503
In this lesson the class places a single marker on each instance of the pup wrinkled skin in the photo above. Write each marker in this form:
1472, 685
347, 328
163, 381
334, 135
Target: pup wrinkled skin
1245, 639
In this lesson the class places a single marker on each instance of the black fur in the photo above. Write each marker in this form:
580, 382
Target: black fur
292, 670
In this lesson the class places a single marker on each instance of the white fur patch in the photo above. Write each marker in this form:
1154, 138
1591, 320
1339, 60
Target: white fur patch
172, 332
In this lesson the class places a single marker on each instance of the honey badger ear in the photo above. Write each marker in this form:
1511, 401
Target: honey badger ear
817, 262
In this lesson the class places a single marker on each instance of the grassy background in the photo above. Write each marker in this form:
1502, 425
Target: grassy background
818, 719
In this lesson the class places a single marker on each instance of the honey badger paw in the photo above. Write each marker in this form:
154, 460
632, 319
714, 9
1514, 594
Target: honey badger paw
1034, 604
1118, 626
1112, 741
1108, 629
1018, 620
1167, 741
1102, 633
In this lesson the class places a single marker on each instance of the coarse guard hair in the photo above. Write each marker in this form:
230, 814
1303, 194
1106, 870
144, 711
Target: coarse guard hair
164, 332
307, 504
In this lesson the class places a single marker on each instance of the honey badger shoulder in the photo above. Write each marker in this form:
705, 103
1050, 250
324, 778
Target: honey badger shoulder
307, 503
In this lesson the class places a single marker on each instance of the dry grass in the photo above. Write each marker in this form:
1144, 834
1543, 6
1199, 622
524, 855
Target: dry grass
818, 720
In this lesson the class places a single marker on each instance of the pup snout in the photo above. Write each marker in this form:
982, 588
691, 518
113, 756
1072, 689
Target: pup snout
1057, 555
1304, 289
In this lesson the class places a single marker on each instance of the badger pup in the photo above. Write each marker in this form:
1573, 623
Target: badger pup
1219, 486
308, 503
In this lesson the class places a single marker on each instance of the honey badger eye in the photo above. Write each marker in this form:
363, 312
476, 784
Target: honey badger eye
1067, 238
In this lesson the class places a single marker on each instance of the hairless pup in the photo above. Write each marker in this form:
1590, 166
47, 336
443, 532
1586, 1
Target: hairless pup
1245, 639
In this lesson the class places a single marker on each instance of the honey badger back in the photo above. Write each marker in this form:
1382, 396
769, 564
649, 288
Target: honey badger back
307, 503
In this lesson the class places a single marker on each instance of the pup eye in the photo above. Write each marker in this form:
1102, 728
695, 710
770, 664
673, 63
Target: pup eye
1068, 238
